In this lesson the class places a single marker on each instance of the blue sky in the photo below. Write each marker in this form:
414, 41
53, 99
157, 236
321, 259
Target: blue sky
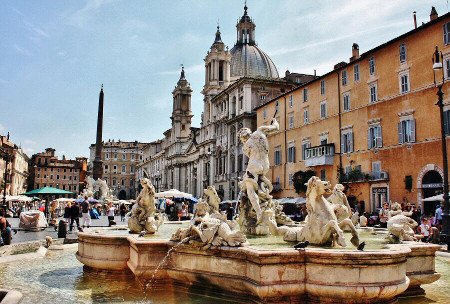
56, 54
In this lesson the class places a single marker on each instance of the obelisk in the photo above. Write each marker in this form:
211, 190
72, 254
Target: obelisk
97, 170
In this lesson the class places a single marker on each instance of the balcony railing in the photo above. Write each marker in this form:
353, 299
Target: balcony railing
319, 155
357, 176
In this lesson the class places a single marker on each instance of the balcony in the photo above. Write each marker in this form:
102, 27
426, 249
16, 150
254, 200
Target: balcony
319, 155
357, 176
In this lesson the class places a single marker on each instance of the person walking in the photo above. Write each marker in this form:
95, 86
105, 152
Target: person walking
5, 230
384, 215
438, 217
67, 212
110, 210
75, 216
85, 212
123, 211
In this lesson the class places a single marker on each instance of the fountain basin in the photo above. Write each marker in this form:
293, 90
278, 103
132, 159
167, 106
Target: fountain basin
276, 275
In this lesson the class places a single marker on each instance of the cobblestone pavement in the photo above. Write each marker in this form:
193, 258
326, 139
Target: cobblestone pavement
25, 236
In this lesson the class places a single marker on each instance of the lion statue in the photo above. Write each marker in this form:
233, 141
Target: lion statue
143, 209
402, 227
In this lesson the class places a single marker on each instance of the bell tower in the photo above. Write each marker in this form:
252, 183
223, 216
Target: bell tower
217, 73
245, 29
182, 110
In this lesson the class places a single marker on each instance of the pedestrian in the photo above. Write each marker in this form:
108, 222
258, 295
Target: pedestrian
123, 211
424, 229
85, 212
5, 230
67, 212
230, 212
110, 209
75, 216
438, 217
384, 215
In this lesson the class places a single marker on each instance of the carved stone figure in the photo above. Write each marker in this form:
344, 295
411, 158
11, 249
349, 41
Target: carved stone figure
280, 217
255, 186
212, 198
105, 193
402, 227
143, 216
321, 225
340, 203
210, 232
89, 190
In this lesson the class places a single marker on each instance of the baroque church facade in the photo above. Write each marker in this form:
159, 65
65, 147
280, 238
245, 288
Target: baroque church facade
236, 82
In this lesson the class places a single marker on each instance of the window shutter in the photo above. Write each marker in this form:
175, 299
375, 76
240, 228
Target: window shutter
380, 137
400, 133
446, 131
369, 141
413, 130
293, 154
351, 142
343, 143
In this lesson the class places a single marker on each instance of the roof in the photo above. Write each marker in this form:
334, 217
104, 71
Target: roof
364, 55
250, 60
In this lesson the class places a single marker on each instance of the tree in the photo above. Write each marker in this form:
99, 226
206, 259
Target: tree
300, 178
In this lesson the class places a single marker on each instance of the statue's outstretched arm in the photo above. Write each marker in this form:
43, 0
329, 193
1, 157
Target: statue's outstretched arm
273, 127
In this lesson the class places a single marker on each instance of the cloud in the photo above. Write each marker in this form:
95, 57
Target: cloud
62, 53
2, 128
82, 16
28, 151
192, 69
22, 50
29, 142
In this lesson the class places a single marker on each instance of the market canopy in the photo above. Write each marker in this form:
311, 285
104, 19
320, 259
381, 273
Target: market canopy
174, 193
47, 190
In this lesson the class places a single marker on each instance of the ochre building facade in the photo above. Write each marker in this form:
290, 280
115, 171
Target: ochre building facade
371, 124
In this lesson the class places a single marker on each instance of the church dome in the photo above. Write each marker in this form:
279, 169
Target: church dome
249, 60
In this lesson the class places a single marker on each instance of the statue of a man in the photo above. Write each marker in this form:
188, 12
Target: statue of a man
256, 148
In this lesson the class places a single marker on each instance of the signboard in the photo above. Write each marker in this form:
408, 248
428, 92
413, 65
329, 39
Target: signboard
434, 185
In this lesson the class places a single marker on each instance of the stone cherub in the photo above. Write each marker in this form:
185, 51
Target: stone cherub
143, 212
256, 147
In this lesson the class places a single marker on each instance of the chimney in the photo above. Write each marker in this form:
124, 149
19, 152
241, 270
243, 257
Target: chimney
415, 19
287, 73
433, 14
355, 52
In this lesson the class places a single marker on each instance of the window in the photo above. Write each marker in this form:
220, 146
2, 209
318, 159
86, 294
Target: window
402, 52
241, 102
291, 120
323, 176
291, 101
115, 155
305, 145
291, 153
404, 83
124, 168
447, 33
372, 66
277, 156
74, 178
305, 95
356, 72
106, 155
374, 137
131, 169
132, 156
290, 179
447, 67
106, 167
347, 141
323, 109
262, 97
407, 131
264, 113
344, 77
322, 87
373, 93
115, 169
446, 123
122, 182
305, 116
346, 98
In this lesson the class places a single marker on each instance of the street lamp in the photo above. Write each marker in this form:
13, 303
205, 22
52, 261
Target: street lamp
438, 68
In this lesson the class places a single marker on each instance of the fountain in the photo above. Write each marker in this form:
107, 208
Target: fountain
232, 256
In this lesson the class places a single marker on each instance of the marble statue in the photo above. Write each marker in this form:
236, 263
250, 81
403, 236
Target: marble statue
143, 214
210, 232
402, 227
340, 203
255, 186
395, 209
280, 217
321, 225
210, 228
89, 190
105, 192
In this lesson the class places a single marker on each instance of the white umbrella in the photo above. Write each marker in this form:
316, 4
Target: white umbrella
18, 198
439, 197
174, 193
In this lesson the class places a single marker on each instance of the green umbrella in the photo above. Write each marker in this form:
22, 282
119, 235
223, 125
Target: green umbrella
47, 190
